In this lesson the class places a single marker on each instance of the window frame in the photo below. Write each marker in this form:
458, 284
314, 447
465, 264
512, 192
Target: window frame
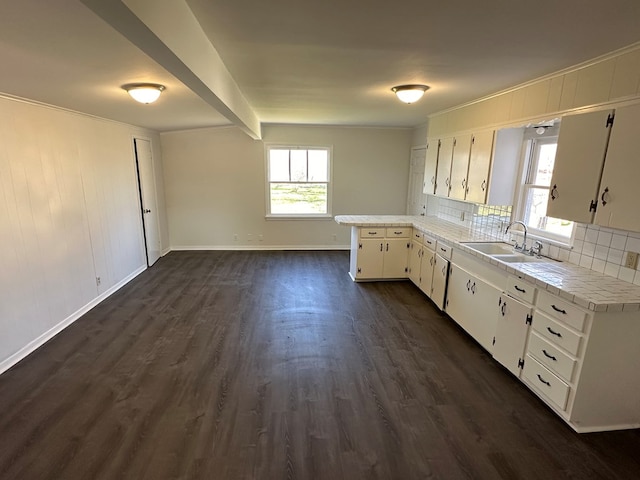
530, 140
298, 216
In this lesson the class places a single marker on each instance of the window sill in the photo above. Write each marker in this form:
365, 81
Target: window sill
327, 216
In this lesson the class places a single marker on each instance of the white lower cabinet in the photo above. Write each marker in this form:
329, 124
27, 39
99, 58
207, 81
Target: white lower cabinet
471, 302
512, 330
439, 281
379, 253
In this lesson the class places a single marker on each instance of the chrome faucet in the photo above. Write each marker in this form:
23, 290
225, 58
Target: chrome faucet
523, 247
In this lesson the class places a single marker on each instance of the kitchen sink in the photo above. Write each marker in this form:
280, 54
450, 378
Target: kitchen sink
503, 251
491, 248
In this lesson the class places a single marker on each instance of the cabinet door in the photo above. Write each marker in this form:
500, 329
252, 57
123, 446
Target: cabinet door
479, 165
460, 166
619, 192
443, 176
426, 270
396, 256
471, 302
512, 329
582, 144
439, 282
370, 258
431, 166
415, 260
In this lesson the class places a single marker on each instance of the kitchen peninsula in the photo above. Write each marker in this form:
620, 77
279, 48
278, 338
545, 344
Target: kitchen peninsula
569, 333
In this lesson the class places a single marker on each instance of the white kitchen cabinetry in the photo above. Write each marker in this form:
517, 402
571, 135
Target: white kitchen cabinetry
619, 193
472, 302
421, 261
460, 166
443, 175
585, 364
379, 253
431, 166
582, 144
477, 182
515, 316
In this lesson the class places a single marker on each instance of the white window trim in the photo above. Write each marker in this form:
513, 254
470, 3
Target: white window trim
518, 211
267, 192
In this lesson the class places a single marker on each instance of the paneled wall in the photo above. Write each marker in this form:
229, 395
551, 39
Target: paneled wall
69, 214
611, 78
215, 181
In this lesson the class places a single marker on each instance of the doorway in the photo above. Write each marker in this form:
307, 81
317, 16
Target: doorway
148, 199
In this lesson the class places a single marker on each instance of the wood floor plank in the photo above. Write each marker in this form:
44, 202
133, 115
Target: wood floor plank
275, 365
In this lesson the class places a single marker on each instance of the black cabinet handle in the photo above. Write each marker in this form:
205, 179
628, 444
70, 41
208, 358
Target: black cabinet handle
559, 310
473, 288
549, 356
443, 249
543, 380
604, 202
554, 333
554, 192
521, 290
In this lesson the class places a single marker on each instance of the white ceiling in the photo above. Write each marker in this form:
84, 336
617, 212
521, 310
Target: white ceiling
326, 62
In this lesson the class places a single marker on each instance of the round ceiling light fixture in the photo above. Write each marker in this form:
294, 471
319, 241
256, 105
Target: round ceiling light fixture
144, 92
409, 93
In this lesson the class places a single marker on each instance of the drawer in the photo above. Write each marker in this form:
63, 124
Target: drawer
546, 382
443, 250
556, 333
429, 242
372, 232
562, 310
399, 232
417, 236
551, 356
518, 288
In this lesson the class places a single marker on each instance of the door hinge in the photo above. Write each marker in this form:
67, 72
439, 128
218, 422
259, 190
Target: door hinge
473, 140
408, 245
359, 270
494, 341
359, 246
593, 205
406, 270
455, 141
610, 119
529, 319
520, 363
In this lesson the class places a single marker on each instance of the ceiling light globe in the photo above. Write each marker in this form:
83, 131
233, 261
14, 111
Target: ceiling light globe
144, 92
410, 93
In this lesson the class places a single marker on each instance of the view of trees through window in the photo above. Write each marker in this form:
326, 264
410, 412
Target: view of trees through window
298, 181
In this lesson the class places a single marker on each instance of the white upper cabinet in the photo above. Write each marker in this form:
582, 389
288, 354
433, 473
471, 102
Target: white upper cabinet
443, 176
431, 166
479, 164
619, 193
460, 166
582, 145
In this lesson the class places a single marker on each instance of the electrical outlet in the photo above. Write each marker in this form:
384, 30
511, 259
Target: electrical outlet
632, 260
98, 281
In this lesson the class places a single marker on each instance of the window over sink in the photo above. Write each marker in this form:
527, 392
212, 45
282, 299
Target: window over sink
538, 160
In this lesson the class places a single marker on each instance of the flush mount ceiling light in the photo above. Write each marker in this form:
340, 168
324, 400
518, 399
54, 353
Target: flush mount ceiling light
144, 92
409, 93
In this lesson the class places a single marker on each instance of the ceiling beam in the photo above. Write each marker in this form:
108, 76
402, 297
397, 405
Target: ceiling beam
170, 34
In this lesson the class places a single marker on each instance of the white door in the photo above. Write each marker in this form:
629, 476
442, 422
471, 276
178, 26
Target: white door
512, 330
148, 199
416, 199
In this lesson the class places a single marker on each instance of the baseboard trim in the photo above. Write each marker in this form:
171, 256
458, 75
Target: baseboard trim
32, 346
178, 248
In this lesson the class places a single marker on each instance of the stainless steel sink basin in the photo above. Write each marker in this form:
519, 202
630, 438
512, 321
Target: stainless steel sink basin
503, 251
491, 248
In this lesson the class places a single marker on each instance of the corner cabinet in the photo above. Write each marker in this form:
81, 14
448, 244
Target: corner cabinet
379, 253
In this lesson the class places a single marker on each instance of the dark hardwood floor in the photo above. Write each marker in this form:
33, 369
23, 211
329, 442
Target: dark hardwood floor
275, 365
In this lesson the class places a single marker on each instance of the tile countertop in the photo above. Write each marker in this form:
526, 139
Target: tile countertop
592, 290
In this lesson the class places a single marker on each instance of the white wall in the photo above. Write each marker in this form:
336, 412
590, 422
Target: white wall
215, 184
69, 212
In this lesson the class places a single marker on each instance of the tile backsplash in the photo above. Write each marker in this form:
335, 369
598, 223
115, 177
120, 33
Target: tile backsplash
597, 248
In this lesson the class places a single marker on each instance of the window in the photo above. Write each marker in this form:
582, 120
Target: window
298, 181
534, 192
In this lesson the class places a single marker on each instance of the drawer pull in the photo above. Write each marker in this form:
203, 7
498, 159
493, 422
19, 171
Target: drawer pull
559, 310
397, 233
554, 333
373, 233
549, 356
521, 290
543, 380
